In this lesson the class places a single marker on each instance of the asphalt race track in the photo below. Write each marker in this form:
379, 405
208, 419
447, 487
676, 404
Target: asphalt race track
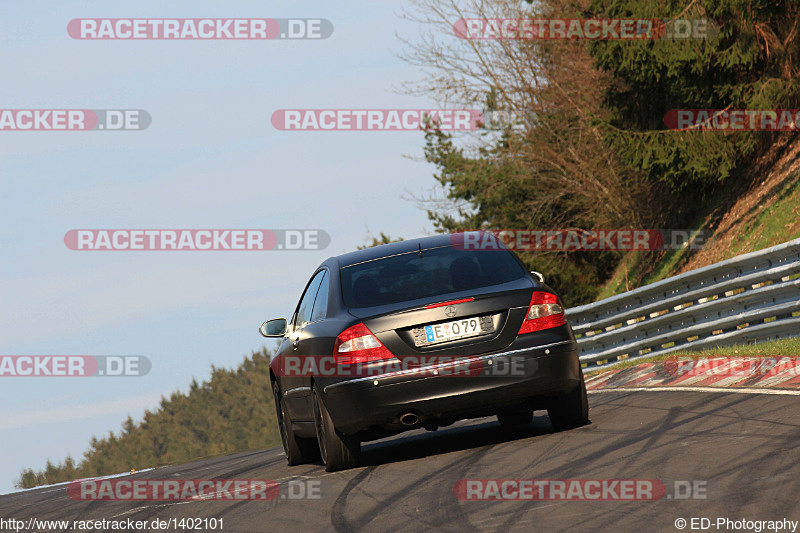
745, 447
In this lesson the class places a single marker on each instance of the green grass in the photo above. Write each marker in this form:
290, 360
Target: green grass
778, 223
772, 226
781, 348
616, 284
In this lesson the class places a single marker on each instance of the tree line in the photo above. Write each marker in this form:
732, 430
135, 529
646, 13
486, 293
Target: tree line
231, 412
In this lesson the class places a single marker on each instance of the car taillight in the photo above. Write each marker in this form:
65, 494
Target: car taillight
544, 312
357, 344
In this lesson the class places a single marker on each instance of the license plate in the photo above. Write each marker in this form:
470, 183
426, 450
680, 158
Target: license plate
457, 329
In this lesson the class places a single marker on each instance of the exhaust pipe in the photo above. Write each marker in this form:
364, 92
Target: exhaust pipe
409, 418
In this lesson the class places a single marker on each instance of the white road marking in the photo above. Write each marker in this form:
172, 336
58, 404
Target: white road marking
701, 389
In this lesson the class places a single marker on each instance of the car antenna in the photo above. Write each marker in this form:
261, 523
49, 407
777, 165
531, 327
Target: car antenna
420, 249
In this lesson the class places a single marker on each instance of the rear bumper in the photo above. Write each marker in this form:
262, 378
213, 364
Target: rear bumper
516, 376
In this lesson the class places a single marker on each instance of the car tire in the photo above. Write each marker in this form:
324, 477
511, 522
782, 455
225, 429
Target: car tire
298, 450
570, 410
510, 419
338, 451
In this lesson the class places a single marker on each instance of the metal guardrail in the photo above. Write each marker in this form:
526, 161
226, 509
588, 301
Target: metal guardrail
750, 298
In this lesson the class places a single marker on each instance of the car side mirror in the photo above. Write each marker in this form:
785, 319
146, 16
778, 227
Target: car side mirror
538, 276
273, 328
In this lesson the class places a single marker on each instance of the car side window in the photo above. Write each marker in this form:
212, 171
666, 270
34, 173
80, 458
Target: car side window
303, 315
321, 303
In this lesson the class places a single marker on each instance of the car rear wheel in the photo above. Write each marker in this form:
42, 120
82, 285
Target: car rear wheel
298, 450
338, 451
570, 410
509, 419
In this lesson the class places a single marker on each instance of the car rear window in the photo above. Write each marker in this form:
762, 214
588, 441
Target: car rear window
408, 276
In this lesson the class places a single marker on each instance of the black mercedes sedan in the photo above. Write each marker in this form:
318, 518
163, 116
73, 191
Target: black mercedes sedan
419, 334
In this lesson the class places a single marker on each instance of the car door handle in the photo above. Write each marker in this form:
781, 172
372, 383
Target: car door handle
296, 343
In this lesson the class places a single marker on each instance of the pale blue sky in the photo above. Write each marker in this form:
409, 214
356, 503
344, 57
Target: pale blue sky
210, 159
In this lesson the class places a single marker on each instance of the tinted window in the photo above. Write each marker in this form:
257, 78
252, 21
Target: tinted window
321, 303
303, 315
439, 271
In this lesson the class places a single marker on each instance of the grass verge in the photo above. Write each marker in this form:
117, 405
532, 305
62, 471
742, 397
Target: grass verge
780, 348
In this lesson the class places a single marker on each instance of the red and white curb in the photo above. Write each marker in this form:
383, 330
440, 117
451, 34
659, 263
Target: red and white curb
766, 375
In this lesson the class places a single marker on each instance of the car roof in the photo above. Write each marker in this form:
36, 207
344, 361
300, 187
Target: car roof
393, 248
